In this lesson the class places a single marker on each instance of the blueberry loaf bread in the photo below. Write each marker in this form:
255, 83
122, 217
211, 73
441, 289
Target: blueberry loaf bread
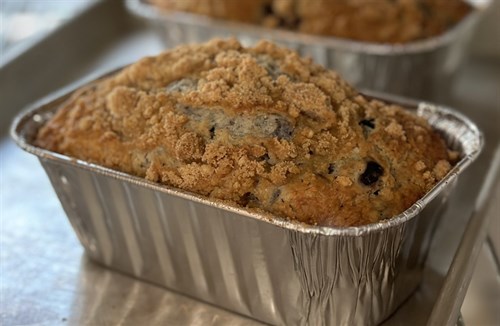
380, 21
261, 127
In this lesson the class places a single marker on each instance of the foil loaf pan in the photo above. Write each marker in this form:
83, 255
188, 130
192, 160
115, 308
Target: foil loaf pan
274, 270
422, 69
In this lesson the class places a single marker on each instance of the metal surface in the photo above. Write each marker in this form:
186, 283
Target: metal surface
277, 271
417, 69
46, 280
481, 305
463, 264
82, 38
25, 21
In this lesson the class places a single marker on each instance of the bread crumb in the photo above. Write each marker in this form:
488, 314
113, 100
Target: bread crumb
441, 168
343, 181
189, 147
420, 166
396, 130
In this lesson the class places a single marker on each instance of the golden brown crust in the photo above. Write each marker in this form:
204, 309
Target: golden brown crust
261, 127
380, 21
383, 21
239, 10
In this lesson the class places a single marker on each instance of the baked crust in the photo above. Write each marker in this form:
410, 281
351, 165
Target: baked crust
239, 10
261, 127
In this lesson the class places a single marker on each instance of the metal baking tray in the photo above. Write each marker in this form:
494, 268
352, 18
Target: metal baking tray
421, 69
276, 271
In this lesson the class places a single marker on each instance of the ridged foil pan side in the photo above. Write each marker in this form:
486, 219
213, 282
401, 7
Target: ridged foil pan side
421, 69
271, 269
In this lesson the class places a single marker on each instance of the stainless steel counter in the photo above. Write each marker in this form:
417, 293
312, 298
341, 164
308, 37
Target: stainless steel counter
45, 279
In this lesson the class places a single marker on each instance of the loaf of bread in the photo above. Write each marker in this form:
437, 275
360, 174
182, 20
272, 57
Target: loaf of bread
379, 21
261, 127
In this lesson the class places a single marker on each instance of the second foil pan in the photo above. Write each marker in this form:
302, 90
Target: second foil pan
421, 69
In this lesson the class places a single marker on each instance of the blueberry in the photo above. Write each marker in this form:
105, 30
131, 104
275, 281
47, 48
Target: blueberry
370, 123
284, 129
425, 9
271, 66
265, 157
295, 23
331, 168
212, 132
275, 195
282, 22
248, 198
268, 10
372, 173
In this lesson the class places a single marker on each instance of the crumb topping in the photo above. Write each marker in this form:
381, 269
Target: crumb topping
261, 127
381, 21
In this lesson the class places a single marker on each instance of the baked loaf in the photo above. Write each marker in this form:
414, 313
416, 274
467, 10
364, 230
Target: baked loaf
380, 21
260, 127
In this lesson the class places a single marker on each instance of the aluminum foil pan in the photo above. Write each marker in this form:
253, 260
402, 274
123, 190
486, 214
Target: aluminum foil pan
274, 270
422, 69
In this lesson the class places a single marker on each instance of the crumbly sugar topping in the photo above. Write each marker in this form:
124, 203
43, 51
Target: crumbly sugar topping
261, 127
380, 21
